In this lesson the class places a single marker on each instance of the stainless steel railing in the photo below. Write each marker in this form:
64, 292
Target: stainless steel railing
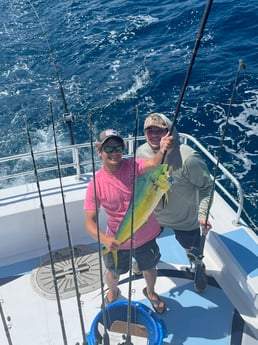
76, 160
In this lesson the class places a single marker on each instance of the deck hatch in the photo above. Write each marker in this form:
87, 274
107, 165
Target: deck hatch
86, 261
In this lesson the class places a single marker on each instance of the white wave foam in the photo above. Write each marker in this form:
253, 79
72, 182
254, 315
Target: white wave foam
140, 81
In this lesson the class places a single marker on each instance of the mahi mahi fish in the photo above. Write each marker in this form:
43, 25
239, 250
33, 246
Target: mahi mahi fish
149, 189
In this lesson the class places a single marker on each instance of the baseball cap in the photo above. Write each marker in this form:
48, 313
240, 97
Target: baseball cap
157, 120
109, 133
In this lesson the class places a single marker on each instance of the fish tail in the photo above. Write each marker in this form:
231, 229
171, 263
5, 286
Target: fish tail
115, 258
105, 251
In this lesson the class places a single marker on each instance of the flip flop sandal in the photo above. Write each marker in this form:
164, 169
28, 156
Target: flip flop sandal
107, 301
155, 303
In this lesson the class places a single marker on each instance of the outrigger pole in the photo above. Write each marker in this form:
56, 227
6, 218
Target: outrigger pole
187, 76
68, 117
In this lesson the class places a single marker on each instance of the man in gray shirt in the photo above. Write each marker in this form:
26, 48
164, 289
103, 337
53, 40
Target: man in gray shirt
188, 198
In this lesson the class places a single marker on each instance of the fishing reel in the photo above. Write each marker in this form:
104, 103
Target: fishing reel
68, 117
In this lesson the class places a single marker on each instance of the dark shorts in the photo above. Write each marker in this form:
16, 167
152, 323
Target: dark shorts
188, 239
146, 256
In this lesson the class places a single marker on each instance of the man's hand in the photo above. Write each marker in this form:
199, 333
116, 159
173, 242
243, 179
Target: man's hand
205, 226
111, 243
167, 143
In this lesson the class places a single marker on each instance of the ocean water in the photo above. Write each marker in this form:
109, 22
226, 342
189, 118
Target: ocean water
115, 56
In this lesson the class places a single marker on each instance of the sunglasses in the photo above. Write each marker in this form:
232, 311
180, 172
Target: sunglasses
111, 149
156, 131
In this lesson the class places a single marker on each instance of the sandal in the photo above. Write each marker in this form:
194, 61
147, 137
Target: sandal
157, 304
107, 301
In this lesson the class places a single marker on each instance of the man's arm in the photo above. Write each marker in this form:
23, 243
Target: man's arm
200, 177
91, 227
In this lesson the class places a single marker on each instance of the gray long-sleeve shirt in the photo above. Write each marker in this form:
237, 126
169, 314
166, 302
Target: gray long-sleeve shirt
189, 194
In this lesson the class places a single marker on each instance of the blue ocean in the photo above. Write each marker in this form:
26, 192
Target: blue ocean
117, 59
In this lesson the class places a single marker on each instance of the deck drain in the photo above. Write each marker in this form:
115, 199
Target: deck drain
86, 261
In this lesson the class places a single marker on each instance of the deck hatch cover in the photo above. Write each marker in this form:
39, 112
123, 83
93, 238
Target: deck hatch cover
86, 261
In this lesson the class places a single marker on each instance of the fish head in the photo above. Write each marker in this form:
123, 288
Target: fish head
161, 169
160, 177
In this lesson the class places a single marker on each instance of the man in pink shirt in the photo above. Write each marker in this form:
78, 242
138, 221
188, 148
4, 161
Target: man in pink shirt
114, 187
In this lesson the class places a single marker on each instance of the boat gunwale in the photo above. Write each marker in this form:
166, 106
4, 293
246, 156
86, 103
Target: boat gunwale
79, 163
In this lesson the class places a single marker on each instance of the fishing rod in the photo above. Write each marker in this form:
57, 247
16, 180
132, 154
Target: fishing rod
105, 336
60, 313
84, 342
255, 227
187, 76
68, 117
198, 268
6, 328
241, 66
188, 72
129, 311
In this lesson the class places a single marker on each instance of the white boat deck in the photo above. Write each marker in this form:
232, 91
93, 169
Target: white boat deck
225, 314
23, 304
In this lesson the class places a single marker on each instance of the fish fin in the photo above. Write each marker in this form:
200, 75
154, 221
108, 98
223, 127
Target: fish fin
171, 179
114, 252
170, 170
166, 198
105, 251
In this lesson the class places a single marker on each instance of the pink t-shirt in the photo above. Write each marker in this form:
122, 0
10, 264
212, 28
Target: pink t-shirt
114, 192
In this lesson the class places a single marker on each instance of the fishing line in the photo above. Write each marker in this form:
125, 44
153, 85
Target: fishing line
105, 336
60, 313
187, 76
68, 233
68, 117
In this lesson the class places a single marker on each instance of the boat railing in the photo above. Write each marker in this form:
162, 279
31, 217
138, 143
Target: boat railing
76, 160
9, 164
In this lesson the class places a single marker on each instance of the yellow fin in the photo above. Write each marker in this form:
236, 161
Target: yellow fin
115, 258
166, 198
105, 251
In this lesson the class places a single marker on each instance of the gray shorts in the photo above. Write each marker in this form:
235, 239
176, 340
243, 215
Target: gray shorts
147, 256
